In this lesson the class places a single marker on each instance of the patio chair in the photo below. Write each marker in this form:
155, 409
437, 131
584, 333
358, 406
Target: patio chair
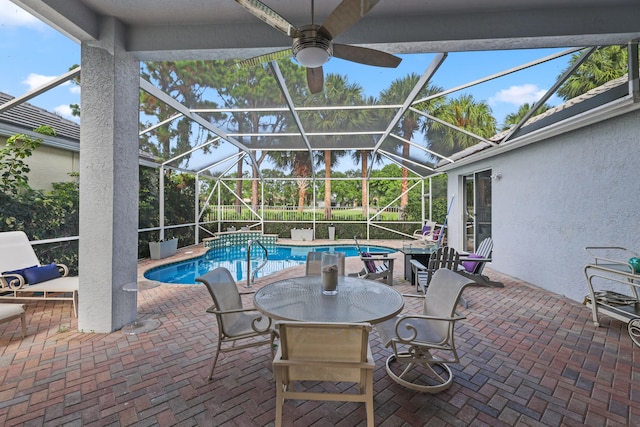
472, 265
444, 257
414, 337
235, 323
314, 263
22, 277
428, 234
324, 352
377, 265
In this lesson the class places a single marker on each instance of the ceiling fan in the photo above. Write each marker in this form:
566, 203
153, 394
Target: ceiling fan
313, 44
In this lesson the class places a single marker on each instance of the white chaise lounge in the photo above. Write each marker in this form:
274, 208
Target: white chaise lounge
39, 282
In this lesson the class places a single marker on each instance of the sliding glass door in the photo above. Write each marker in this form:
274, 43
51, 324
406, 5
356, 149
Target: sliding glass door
477, 205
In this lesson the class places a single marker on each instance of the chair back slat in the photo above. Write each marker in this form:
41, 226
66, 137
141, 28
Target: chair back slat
444, 257
485, 247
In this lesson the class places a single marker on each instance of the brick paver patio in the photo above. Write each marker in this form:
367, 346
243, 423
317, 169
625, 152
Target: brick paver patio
529, 358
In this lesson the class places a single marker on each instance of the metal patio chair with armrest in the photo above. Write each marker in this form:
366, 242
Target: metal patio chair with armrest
324, 352
377, 265
235, 322
419, 340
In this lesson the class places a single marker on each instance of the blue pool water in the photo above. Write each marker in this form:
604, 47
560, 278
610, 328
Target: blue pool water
234, 258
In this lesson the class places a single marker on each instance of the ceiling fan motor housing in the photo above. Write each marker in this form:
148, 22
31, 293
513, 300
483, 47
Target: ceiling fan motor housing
312, 49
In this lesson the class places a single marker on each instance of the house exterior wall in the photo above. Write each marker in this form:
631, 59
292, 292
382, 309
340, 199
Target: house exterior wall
50, 164
556, 197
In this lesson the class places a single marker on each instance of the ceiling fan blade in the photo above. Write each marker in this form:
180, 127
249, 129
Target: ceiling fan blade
315, 79
267, 57
347, 14
271, 17
365, 56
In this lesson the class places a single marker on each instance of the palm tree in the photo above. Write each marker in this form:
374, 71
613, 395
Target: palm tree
300, 163
411, 122
513, 119
337, 91
605, 64
362, 157
465, 113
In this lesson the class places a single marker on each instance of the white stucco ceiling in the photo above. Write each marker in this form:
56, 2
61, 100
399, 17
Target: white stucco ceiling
221, 29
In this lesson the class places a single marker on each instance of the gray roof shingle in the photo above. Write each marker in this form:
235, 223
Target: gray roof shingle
29, 117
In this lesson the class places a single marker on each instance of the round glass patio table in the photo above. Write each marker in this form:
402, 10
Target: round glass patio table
301, 299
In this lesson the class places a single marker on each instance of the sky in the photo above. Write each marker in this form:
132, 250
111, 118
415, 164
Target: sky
31, 53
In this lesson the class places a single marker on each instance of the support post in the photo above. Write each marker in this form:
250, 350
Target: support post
108, 247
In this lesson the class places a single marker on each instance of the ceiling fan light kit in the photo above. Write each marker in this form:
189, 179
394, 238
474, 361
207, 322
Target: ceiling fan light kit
312, 50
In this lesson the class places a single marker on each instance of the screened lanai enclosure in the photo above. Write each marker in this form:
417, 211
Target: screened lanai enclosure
269, 155
361, 115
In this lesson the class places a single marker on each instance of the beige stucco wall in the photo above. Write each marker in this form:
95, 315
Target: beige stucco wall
50, 164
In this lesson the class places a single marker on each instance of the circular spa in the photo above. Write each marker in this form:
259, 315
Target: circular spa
234, 258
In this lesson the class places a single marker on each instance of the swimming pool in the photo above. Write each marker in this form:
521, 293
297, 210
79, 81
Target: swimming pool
234, 258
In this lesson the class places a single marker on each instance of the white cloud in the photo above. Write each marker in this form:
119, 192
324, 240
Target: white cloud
518, 95
75, 89
13, 16
34, 81
64, 111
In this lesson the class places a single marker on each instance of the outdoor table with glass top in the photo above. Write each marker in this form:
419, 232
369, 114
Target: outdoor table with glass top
301, 299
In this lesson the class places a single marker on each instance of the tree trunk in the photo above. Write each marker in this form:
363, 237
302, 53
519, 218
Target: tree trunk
239, 189
404, 199
365, 186
302, 192
327, 185
254, 189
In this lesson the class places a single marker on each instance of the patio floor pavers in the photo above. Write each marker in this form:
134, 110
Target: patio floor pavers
528, 357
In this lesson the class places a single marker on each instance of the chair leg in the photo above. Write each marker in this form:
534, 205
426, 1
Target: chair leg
23, 320
215, 360
279, 399
369, 401
463, 302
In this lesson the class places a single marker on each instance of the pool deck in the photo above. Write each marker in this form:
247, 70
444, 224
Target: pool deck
528, 358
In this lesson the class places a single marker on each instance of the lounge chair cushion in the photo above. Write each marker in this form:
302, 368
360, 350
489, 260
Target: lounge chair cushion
426, 230
371, 265
35, 275
19, 271
470, 266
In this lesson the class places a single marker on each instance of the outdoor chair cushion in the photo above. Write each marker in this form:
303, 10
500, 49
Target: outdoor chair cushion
19, 271
371, 265
41, 274
470, 266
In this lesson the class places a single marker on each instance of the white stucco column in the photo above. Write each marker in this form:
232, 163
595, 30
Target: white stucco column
108, 182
